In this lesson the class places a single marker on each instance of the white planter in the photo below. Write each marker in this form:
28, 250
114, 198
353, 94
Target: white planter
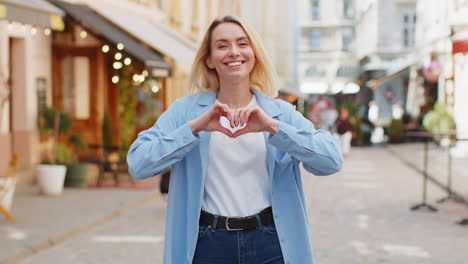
8, 199
51, 178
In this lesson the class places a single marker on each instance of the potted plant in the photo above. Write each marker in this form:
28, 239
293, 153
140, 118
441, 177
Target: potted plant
76, 171
50, 173
396, 131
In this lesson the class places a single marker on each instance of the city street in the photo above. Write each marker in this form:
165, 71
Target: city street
360, 216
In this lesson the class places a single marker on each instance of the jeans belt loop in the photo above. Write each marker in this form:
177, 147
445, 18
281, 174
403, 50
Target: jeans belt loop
259, 221
215, 222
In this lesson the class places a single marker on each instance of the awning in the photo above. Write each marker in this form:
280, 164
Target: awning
460, 42
158, 36
107, 32
34, 12
394, 69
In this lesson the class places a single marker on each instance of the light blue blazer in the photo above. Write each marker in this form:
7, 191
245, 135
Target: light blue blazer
170, 142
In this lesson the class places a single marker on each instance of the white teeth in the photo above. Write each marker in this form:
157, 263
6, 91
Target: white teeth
234, 63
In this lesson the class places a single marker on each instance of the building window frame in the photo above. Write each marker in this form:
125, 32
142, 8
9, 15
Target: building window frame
315, 36
408, 29
315, 9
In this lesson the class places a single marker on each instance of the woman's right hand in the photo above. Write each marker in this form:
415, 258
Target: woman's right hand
209, 121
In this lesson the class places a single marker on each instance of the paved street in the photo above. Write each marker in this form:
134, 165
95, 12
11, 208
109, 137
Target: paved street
359, 216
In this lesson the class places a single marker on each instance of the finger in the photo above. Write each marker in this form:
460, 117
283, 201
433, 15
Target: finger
239, 114
240, 132
225, 131
247, 114
230, 116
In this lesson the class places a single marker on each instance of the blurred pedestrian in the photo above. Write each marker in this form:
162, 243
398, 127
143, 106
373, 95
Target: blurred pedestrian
344, 129
235, 152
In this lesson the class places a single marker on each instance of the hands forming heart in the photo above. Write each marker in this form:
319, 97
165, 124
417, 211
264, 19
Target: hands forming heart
234, 123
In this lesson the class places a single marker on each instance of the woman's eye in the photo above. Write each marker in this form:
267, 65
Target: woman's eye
243, 44
222, 46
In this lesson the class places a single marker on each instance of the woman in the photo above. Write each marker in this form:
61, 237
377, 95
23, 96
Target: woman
344, 130
235, 192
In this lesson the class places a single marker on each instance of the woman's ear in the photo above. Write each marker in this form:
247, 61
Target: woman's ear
209, 63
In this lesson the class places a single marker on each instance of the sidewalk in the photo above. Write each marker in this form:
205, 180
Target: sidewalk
412, 154
45, 221
361, 215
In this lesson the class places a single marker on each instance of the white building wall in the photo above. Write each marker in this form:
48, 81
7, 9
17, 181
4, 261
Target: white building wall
271, 19
330, 56
31, 59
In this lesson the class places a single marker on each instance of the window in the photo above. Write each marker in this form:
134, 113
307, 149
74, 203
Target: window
76, 90
348, 10
315, 9
314, 39
347, 72
346, 38
409, 22
313, 71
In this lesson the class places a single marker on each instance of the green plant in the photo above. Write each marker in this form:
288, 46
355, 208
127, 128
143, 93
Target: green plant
440, 122
396, 128
107, 137
127, 107
77, 141
53, 123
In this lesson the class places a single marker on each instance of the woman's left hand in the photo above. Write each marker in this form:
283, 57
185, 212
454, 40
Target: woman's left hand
256, 120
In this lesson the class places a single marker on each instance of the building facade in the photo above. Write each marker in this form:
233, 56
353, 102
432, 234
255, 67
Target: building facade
385, 40
326, 46
441, 40
25, 78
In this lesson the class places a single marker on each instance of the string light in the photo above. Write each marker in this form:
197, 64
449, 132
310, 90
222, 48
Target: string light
118, 56
83, 34
117, 65
105, 48
145, 73
155, 88
127, 61
115, 79
47, 32
120, 46
33, 31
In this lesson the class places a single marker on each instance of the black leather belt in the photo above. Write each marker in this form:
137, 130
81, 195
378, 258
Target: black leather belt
238, 224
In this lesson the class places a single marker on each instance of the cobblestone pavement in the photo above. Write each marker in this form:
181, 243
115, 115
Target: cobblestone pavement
359, 216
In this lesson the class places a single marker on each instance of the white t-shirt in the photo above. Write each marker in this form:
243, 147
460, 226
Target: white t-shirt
236, 183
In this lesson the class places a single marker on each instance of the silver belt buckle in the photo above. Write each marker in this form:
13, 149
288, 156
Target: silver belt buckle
231, 229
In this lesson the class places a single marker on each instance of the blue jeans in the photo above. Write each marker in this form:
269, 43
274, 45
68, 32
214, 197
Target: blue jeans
254, 246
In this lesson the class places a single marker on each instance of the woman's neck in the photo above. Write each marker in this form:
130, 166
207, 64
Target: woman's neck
235, 95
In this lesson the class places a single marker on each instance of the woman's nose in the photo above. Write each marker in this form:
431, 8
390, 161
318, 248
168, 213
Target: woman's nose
234, 52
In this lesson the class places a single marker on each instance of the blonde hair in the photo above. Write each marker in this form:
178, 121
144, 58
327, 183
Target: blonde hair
262, 77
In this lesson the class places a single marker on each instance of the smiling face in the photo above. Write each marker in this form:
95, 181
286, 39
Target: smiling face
231, 53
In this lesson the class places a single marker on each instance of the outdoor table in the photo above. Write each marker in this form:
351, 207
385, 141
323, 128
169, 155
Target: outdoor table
426, 136
450, 194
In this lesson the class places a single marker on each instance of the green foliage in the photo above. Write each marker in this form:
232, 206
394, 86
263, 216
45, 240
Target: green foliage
396, 128
77, 141
127, 107
64, 155
439, 120
107, 137
49, 120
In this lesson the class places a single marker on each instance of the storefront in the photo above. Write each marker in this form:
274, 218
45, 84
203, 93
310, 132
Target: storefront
458, 89
26, 27
103, 77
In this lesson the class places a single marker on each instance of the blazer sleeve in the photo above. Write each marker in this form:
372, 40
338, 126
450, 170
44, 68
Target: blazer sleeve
162, 145
318, 150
